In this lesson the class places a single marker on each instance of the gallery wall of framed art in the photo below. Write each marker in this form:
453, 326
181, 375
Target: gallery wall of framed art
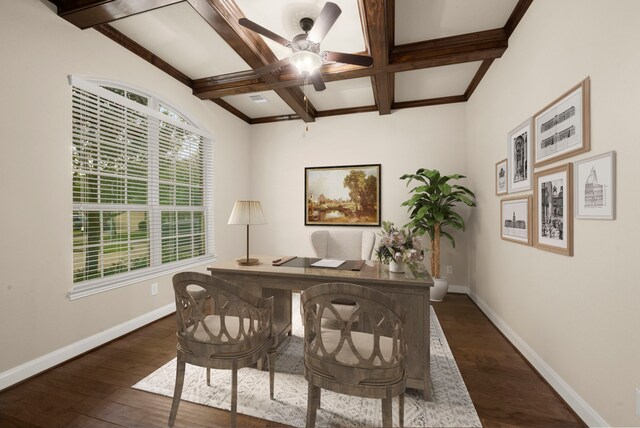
584, 189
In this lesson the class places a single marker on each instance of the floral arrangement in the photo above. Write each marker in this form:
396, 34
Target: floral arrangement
399, 245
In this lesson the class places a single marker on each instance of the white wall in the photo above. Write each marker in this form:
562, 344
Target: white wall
431, 137
580, 314
38, 51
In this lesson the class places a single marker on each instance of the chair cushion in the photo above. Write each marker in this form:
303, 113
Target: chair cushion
232, 325
363, 343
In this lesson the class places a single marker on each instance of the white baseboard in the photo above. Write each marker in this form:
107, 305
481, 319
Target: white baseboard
580, 406
35, 366
462, 289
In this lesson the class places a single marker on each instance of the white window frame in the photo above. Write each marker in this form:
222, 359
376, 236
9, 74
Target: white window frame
98, 285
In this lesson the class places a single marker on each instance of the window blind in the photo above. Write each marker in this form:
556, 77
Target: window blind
142, 190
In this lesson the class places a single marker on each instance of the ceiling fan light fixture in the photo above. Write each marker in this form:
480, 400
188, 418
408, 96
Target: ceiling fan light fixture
306, 62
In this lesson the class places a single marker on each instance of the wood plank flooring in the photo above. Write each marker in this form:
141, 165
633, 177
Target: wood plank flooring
94, 390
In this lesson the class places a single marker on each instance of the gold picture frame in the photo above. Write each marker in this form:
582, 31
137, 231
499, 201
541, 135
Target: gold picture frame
553, 209
502, 171
346, 195
562, 128
515, 219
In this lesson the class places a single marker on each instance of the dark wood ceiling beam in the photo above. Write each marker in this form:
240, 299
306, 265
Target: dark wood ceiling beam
223, 16
377, 18
482, 70
231, 109
321, 113
489, 44
271, 119
143, 53
517, 14
429, 102
90, 13
246, 81
477, 46
347, 110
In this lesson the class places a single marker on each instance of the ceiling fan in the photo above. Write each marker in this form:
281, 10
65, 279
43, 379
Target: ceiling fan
306, 55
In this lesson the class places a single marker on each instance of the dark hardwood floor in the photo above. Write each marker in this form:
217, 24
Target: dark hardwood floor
94, 390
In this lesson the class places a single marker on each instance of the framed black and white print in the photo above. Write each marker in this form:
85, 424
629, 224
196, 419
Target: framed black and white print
595, 187
515, 219
561, 129
501, 177
553, 209
519, 149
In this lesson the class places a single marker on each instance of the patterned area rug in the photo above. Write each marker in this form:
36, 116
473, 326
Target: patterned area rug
451, 405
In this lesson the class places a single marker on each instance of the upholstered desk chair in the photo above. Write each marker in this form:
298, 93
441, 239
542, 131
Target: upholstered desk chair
343, 244
236, 332
368, 365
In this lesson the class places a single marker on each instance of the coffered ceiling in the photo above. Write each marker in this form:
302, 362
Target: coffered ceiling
425, 52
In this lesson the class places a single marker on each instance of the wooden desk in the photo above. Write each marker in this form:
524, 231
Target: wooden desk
412, 293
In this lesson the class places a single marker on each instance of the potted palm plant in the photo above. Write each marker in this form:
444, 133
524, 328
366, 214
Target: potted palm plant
432, 210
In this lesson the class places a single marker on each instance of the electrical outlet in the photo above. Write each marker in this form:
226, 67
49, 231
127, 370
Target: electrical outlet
449, 270
154, 288
638, 402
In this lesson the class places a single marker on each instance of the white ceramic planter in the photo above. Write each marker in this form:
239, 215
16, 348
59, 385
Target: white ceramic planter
439, 289
396, 267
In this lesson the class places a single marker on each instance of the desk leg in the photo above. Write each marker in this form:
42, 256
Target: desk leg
426, 392
281, 311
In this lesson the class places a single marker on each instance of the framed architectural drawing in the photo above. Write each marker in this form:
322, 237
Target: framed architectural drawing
561, 129
501, 177
553, 209
595, 187
515, 219
519, 150
342, 195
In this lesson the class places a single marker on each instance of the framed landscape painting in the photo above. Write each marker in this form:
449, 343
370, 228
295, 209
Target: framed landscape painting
342, 195
595, 187
553, 209
515, 219
501, 177
519, 150
561, 129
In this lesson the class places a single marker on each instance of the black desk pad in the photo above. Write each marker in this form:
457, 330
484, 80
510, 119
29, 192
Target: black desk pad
305, 262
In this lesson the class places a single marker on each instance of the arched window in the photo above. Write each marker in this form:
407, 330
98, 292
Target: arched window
142, 188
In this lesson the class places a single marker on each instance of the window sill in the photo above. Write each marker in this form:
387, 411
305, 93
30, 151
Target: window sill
111, 283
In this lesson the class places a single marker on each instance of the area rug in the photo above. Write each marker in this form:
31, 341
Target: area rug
451, 405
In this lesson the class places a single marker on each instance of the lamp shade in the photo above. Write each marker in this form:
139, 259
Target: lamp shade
247, 212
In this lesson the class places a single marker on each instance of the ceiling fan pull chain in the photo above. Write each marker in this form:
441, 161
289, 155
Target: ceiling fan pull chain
306, 103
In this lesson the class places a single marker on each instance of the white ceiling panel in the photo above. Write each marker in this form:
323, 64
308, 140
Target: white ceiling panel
418, 20
434, 82
342, 94
273, 107
180, 36
283, 18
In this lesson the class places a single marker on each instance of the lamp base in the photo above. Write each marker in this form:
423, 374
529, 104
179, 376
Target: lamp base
247, 262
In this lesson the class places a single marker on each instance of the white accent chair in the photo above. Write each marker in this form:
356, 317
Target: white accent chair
343, 244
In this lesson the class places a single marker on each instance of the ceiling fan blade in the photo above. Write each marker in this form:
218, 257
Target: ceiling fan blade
270, 67
326, 19
261, 30
318, 83
363, 60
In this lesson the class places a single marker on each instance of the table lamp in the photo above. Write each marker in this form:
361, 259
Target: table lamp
247, 212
